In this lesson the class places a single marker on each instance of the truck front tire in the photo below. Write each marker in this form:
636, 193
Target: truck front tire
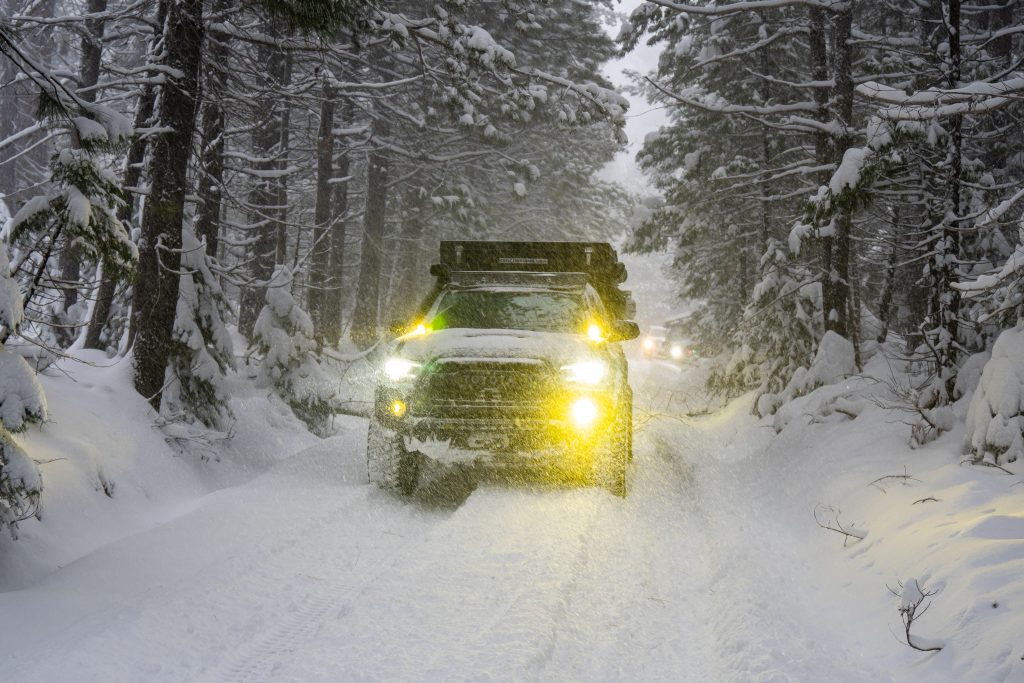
388, 463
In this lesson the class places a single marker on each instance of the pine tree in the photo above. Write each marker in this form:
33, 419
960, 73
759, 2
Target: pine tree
202, 350
283, 335
21, 403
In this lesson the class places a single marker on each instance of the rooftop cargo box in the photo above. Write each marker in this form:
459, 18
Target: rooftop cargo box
597, 260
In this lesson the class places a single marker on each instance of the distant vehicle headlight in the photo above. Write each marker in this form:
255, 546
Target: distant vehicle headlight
399, 368
648, 343
676, 352
590, 371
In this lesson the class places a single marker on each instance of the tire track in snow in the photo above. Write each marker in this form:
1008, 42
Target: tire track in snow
185, 617
477, 597
632, 617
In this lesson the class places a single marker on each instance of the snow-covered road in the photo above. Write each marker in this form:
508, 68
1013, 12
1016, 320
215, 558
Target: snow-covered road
308, 573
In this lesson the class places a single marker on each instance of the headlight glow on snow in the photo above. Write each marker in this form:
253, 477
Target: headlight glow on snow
590, 371
583, 412
399, 368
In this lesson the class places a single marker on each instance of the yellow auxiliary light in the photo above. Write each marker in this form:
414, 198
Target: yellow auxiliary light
594, 332
420, 330
398, 408
583, 412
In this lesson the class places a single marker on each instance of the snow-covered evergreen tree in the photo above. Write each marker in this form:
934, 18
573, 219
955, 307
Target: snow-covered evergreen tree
283, 334
779, 332
202, 350
21, 403
78, 212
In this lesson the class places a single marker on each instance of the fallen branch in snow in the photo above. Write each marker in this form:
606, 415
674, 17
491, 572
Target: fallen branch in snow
831, 523
986, 463
906, 477
912, 596
929, 499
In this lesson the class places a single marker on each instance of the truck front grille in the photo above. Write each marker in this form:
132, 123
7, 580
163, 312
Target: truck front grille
484, 389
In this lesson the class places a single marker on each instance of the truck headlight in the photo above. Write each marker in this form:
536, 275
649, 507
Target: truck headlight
399, 368
590, 371
583, 412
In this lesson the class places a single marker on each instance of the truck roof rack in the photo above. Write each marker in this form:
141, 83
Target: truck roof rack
597, 260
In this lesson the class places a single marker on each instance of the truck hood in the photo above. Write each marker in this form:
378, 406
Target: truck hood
513, 345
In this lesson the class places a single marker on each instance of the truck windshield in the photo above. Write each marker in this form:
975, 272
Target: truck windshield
538, 311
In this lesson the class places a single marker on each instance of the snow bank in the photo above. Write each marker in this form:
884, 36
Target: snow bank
834, 361
995, 419
957, 529
108, 472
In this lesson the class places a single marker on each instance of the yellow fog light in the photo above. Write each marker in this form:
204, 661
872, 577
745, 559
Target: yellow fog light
595, 333
583, 412
398, 408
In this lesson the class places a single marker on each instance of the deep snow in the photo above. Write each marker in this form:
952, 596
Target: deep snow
292, 568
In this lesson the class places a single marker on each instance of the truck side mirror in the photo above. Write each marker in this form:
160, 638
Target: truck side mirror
624, 330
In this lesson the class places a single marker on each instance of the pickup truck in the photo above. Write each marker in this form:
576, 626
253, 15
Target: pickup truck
513, 361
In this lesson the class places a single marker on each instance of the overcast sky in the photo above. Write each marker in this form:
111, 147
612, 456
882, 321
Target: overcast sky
642, 117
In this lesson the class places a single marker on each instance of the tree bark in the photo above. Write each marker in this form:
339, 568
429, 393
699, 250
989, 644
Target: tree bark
132, 176
333, 299
837, 302
265, 196
403, 298
365, 315
822, 142
948, 250
156, 291
211, 175
321, 277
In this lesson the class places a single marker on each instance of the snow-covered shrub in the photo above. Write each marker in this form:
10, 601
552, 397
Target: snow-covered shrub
995, 419
283, 333
201, 348
833, 362
21, 403
779, 330
20, 484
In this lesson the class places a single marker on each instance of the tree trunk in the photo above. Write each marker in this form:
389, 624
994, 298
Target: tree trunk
264, 197
132, 176
88, 77
403, 298
156, 291
321, 277
822, 141
365, 315
211, 174
948, 250
837, 302
333, 299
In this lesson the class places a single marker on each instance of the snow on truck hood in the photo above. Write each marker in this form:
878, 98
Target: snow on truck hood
468, 345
